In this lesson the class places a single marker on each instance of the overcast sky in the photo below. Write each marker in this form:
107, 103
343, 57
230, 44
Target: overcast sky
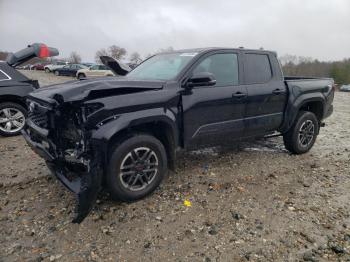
315, 28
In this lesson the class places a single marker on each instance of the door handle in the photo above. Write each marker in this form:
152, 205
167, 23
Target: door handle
278, 91
239, 95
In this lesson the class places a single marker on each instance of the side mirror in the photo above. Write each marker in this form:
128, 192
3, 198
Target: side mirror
201, 79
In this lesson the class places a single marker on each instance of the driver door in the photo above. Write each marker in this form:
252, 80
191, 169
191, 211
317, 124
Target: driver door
212, 115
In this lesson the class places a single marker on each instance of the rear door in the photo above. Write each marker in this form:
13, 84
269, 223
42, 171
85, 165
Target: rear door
267, 93
213, 115
64, 70
73, 70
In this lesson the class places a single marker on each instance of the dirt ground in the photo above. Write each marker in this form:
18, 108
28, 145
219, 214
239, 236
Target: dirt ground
250, 202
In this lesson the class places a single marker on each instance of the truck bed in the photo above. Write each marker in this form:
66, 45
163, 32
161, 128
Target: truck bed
324, 85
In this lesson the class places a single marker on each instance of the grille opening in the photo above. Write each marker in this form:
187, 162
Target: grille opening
39, 118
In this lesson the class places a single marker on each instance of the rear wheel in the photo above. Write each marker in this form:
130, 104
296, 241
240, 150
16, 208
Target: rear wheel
12, 118
136, 167
302, 135
47, 70
57, 73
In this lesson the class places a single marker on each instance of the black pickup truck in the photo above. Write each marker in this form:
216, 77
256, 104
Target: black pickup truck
122, 133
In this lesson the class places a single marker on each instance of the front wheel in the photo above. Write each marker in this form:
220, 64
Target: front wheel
302, 135
136, 167
47, 70
57, 73
12, 118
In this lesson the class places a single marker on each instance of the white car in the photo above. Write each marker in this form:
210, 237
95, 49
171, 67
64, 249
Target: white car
94, 71
51, 67
345, 88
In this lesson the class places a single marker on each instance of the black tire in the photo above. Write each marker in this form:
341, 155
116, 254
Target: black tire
47, 70
81, 76
294, 139
13, 106
57, 73
119, 156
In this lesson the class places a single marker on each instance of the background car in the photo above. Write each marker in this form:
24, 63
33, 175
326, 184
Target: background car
68, 70
88, 64
345, 88
37, 66
14, 88
56, 65
94, 71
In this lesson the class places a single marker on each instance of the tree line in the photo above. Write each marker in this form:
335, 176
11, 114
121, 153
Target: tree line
309, 67
292, 65
117, 52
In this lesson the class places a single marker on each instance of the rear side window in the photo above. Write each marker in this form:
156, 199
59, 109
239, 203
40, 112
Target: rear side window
3, 76
257, 68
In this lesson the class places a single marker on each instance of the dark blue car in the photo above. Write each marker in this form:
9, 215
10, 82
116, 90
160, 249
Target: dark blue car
68, 70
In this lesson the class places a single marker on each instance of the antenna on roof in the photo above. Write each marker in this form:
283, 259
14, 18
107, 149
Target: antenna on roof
261, 48
241, 47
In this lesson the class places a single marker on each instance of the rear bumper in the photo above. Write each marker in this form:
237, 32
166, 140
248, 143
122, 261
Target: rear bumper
85, 184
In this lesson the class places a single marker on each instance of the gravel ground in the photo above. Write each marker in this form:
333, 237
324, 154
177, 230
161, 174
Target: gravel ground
253, 201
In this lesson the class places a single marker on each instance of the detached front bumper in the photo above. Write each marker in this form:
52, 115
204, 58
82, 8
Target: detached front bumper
85, 183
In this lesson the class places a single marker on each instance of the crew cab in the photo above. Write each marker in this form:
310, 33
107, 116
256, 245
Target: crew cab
14, 87
122, 133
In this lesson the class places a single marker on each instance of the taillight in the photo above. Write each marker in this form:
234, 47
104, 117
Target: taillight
44, 51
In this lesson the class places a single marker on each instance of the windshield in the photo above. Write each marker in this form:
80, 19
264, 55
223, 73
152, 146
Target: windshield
162, 66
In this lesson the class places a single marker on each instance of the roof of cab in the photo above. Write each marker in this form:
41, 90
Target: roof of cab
206, 49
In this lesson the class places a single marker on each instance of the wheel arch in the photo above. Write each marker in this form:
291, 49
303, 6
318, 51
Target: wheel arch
307, 102
314, 106
13, 99
161, 126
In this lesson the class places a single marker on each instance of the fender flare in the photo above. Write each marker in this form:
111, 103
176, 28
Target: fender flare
294, 107
15, 93
105, 133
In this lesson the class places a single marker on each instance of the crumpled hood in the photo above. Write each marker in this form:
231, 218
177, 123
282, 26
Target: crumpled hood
94, 88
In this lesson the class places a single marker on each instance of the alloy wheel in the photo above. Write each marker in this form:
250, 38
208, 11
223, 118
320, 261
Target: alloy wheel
11, 120
138, 168
306, 133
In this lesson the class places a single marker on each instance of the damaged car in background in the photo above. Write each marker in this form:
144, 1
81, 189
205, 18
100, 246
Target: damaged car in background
122, 133
14, 87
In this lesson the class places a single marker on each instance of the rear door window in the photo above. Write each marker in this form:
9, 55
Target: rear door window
257, 68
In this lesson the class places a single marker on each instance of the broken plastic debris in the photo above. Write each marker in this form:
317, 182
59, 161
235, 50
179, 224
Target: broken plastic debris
187, 203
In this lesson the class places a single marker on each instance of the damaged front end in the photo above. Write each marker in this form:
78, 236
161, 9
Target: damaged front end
58, 133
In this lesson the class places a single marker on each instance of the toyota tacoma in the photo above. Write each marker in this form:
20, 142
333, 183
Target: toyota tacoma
122, 133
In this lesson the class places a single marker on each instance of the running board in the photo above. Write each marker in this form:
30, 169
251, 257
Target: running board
275, 134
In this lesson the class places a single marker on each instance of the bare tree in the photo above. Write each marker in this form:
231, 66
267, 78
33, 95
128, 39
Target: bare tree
117, 52
99, 53
3, 55
167, 49
74, 58
135, 58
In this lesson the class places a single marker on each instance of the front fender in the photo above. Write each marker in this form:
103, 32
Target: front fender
20, 90
107, 131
